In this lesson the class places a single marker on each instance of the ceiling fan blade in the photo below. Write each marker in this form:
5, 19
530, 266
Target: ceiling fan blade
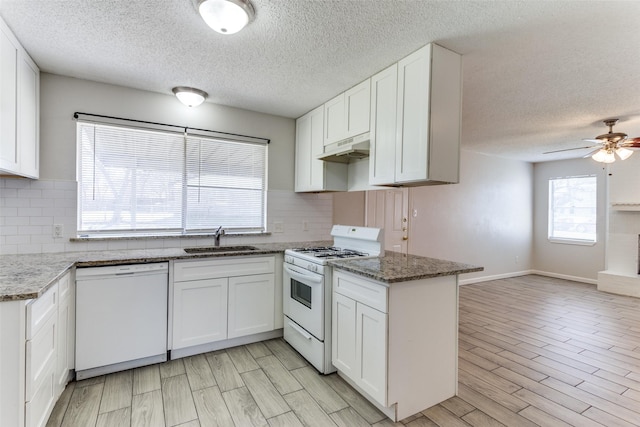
631, 143
568, 149
595, 141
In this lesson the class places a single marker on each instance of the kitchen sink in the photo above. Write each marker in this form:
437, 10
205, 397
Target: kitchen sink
211, 249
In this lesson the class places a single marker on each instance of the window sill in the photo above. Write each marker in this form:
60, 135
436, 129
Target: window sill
166, 236
572, 241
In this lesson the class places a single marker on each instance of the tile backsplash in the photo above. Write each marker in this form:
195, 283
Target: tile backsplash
30, 208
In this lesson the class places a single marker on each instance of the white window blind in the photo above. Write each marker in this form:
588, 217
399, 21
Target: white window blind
159, 182
573, 209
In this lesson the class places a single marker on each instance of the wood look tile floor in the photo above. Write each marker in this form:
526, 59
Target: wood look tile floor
533, 351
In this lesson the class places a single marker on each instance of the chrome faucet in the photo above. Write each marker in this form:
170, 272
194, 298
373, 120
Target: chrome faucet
219, 233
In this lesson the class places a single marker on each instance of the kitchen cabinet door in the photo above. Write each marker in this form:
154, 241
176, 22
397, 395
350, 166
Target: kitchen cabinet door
312, 174
384, 90
335, 127
251, 304
199, 312
65, 333
371, 352
412, 148
9, 49
41, 349
19, 108
357, 108
343, 335
28, 131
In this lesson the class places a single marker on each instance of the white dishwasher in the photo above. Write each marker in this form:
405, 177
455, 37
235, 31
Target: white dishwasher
121, 317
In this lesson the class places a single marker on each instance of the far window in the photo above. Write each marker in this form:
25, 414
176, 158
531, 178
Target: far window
573, 209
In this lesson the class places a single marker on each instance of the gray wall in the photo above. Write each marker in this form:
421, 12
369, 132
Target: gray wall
484, 220
560, 259
62, 96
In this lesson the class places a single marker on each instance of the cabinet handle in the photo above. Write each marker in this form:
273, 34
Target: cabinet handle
405, 237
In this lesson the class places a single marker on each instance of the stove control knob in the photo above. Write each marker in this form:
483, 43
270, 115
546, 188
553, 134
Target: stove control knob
312, 267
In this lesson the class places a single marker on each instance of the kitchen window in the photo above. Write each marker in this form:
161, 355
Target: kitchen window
573, 209
159, 182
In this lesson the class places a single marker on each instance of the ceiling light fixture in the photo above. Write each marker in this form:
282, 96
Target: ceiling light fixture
191, 97
226, 16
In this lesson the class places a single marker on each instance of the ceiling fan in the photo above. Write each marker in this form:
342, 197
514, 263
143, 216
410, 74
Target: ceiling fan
608, 145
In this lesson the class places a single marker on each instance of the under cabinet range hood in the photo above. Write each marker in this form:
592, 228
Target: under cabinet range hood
354, 148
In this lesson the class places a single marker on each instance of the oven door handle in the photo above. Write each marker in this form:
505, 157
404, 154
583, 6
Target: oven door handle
299, 330
303, 277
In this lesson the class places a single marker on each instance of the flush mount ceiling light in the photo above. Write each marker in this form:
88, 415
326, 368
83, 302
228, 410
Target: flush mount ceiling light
226, 16
191, 97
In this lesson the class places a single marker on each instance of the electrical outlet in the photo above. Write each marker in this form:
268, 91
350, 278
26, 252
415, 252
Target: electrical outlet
305, 225
278, 227
58, 231
517, 259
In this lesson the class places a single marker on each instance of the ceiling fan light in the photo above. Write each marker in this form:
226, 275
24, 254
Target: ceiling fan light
226, 16
603, 156
189, 96
623, 153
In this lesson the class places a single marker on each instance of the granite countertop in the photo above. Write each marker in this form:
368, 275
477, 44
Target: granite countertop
28, 276
396, 267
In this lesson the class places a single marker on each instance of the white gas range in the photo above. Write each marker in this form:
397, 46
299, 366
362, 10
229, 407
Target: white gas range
307, 290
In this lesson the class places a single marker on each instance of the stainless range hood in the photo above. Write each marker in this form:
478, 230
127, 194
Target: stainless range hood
349, 149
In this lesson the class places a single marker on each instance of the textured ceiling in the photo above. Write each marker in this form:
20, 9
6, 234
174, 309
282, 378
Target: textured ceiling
538, 75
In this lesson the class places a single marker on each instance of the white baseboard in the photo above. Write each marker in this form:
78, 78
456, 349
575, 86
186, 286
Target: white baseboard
494, 277
524, 273
566, 277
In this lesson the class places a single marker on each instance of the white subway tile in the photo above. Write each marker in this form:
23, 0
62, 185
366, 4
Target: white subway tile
31, 248
26, 212
40, 220
52, 247
6, 249
28, 193
16, 220
18, 240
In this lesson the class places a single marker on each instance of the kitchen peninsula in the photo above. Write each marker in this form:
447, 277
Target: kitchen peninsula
395, 329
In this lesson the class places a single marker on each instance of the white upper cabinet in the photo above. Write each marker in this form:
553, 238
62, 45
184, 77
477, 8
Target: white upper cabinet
347, 114
428, 117
415, 119
311, 174
19, 108
384, 90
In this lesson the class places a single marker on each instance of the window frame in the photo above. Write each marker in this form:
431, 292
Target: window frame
552, 212
187, 135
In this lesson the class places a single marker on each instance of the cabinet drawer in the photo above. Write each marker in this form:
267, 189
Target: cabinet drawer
361, 290
40, 356
222, 267
40, 309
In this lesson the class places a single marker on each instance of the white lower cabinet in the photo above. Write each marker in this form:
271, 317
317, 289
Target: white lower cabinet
220, 299
360, 341
343, 336
199, 312
251, 301
396, 343
49, 351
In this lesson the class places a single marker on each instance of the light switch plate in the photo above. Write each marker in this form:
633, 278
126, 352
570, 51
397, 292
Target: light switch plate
278, 227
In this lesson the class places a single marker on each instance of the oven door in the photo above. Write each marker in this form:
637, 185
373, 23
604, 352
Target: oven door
303, 301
